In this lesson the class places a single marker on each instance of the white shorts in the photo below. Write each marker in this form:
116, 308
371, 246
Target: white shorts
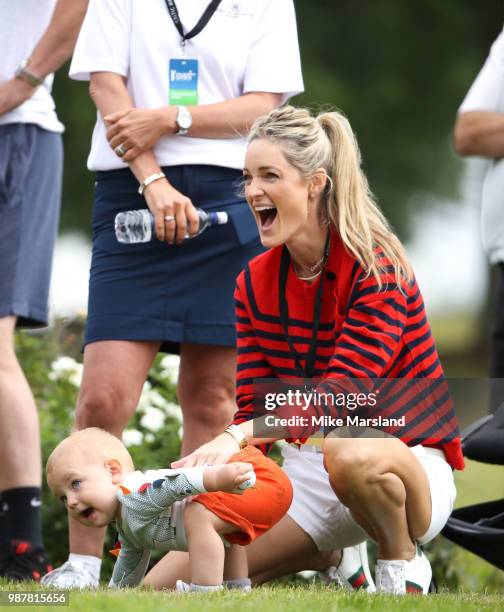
317, 510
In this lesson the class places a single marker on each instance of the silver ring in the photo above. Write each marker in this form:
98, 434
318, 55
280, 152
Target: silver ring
169, 218
120, 150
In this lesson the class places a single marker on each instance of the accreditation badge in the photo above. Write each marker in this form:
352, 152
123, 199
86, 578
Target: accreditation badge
183, 80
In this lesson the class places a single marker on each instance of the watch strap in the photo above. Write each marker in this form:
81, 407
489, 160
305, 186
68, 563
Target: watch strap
235, 432
27, 75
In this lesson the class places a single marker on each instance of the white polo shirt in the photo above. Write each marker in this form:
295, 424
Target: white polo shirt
487, 94
21, 26
247, 46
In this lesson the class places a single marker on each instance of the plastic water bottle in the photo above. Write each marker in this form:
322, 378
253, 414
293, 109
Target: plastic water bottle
133, 226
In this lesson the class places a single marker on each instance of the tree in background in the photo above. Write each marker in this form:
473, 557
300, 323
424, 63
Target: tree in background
398, 69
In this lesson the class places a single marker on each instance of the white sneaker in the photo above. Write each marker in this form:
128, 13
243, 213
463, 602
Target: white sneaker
353, 571
183, 587
401, 577
71, 575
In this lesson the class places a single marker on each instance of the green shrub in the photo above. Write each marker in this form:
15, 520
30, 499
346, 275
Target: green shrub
52, 363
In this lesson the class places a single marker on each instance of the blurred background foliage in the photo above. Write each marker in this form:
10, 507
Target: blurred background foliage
398, 70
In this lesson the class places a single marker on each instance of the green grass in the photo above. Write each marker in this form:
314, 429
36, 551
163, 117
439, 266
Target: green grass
478, 483
267, 599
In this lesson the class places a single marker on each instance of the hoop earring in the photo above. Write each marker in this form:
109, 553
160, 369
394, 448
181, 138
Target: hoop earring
331, 184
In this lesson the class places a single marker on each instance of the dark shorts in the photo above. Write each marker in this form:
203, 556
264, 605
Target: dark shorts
31, 161
169, 293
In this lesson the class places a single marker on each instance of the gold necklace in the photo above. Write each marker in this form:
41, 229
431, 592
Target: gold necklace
312, 269
309, 278
315, 265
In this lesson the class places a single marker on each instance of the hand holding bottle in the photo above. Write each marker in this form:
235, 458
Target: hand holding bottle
137, 226
174, 214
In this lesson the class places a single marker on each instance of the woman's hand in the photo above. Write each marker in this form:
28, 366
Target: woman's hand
136, 129
216, 452
174, 213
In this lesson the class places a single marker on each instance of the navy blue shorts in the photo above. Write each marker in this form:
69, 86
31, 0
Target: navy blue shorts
31, 166
169, 293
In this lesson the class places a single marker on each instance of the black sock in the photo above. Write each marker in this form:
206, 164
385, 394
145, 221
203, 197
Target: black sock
23, 514
4, 538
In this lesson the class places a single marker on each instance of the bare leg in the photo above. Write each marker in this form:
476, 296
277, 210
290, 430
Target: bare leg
235, 563
19, 425
114, 374
386, 489
172, 567
206, 549
112, 381
206, 391
285, 549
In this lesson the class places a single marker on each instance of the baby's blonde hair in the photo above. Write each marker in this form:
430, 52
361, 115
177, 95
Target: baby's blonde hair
93, 443
327, 141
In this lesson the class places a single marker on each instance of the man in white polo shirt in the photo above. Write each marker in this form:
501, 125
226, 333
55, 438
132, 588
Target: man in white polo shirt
36, 38
479, 130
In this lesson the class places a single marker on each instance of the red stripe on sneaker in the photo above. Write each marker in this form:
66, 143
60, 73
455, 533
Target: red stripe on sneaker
358, 580
413, 587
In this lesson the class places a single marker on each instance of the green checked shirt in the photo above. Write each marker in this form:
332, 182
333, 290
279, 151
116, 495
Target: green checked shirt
152, 518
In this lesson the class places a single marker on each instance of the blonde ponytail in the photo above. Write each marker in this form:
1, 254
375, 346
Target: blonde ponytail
327, 141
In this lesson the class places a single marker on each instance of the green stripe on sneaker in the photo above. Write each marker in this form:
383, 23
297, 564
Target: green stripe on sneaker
413, 587
358, 580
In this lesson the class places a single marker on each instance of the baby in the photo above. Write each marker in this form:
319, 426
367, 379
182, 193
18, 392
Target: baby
92, 473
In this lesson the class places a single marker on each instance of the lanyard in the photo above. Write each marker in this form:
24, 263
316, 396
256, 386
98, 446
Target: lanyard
309, 370
204, 19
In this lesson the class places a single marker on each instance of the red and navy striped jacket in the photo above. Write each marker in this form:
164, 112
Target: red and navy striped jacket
364, 332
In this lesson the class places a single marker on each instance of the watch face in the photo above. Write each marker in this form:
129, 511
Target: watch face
184, 121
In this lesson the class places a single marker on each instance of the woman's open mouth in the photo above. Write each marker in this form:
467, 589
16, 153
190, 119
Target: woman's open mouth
267, 216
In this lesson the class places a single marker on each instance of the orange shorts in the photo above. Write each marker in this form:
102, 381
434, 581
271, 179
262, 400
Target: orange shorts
260, 507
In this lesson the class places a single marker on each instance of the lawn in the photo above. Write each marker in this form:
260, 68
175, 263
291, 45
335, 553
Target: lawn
269, 599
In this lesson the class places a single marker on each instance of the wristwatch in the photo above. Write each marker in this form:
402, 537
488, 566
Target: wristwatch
183, 120
235, 432
26, 75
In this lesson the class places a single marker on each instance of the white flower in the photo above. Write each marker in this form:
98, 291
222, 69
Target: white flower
132, 437
170, 367
63, 364
180, 433
174, 411
153, 419
156, 399
67, 368
151, 399
149, 437
76, 376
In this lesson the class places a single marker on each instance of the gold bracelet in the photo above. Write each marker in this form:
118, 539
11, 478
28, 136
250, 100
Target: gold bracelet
149, 180
235, 432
